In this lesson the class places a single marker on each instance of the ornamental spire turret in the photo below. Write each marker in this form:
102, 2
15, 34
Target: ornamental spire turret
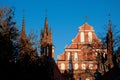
110, 44
46, 28
23, 33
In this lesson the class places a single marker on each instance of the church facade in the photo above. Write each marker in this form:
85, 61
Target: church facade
81, 56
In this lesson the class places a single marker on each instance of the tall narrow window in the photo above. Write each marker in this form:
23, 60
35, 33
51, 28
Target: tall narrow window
69, 66
68, 55
82, 36
63, 66
90, 36
70, 61
76, 56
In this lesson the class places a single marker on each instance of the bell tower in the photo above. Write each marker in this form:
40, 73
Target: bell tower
46, 45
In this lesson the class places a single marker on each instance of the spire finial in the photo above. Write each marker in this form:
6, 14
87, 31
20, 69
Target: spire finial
23, 33
46, 26
109, 22
23, 20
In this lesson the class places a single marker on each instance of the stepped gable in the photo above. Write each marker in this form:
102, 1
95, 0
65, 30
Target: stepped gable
87, 31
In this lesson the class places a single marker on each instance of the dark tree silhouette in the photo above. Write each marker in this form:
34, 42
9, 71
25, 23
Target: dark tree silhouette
8, 35
9, 46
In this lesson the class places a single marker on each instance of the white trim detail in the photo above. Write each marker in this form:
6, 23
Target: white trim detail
86, 30
72, 49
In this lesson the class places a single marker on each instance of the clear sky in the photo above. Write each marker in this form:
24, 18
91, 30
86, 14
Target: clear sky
64, 16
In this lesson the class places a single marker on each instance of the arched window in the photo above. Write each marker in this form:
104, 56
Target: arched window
83, 66
62, 66
76, 56
82, 36
90, 66
76, 66
68, 55
90, 36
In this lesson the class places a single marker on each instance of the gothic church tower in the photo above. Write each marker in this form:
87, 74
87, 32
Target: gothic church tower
47, 48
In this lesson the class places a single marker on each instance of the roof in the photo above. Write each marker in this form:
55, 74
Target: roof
86, 26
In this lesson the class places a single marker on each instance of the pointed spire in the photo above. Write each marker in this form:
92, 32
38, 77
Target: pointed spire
23, 33
46, 27
109, 34
109, 26
110, 43
109, 23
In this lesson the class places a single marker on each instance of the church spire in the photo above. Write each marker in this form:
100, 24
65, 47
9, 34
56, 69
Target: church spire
47, 48
110, 43
23, 33
109, 24
46, 27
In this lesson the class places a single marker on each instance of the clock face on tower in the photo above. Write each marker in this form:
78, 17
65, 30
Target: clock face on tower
76, 66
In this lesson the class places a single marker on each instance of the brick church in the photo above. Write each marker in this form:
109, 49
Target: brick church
81, 56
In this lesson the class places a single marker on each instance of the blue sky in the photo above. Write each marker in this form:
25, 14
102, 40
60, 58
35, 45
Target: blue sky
65, 16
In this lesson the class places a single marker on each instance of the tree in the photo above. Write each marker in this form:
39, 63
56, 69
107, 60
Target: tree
27, 53
8, 35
